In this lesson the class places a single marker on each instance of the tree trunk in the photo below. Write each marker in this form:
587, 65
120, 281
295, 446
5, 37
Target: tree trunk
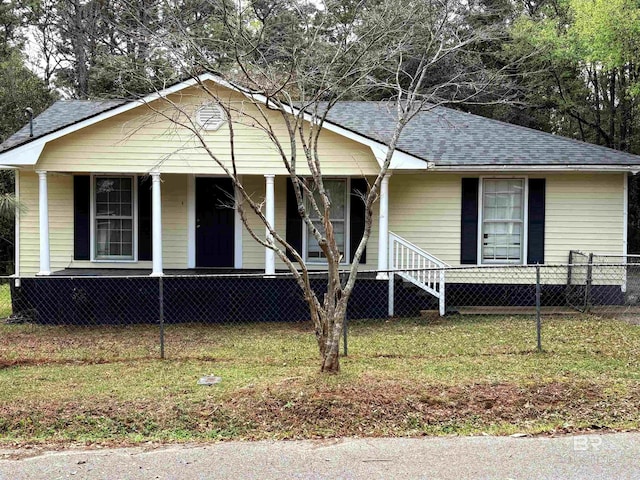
612, 108
331, 353
596, 90
329, 320
625, 109
78, 40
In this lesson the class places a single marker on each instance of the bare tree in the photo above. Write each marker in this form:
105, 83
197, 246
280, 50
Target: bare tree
299, 59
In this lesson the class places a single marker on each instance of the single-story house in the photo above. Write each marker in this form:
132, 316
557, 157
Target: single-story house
114, 186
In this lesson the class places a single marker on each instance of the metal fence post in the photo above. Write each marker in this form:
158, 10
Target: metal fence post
441, 290
587, 290
538, 322
161, 314
391, 310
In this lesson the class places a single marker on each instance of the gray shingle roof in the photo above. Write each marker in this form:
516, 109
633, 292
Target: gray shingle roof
444, 136
59, 115
450, 137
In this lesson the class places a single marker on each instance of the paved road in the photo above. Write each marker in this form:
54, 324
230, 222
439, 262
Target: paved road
612, 456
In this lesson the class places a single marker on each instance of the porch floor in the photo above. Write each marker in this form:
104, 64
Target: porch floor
192, 272
134, 272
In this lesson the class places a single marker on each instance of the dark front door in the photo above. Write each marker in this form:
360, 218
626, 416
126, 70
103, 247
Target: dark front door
215, 222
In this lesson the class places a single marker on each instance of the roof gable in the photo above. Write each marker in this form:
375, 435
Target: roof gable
25, 150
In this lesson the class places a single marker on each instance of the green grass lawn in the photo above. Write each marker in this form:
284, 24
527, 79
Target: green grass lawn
457, 375
5, 300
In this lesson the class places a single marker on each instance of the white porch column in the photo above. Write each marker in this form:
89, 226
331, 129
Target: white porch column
43, 202
156, 224
383, 230
270, 214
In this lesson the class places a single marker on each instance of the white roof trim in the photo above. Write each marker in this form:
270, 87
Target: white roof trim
27, 154
537, 168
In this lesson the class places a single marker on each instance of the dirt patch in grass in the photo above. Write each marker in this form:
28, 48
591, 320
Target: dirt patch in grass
385, 408
295, 411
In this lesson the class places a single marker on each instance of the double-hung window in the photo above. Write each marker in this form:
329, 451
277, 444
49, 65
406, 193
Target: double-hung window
113, 228
502, 220
336, 189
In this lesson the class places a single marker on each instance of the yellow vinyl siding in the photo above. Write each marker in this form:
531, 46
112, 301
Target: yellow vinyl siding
583, 212
425, 210
372, 245
253, 252
174, 221
174, 229
140, 140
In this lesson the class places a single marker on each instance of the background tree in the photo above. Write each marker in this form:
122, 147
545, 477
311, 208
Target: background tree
94, 48
584, 81
19, 88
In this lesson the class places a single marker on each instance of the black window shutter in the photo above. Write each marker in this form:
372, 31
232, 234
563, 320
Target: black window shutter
357, 222
536, 212
469, 222
145, 249
81, 217
294, 221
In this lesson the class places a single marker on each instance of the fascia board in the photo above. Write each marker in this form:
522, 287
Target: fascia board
538, 168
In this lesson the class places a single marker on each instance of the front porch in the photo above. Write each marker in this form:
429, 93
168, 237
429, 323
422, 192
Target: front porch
161, 224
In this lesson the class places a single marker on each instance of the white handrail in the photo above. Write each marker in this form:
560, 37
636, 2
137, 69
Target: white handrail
416, 266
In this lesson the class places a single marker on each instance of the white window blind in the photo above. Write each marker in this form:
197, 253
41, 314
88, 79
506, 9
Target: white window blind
114, 217
502, 220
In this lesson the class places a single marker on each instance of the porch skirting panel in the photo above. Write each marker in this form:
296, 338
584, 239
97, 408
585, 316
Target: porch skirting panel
136, 300
122, 301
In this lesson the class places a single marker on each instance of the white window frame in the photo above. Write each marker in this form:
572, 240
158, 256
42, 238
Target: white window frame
347, 230
114, 259
525, 221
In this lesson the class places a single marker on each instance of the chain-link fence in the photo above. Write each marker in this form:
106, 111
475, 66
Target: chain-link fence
102, 318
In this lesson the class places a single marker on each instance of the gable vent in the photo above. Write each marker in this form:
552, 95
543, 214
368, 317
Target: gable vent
210, 117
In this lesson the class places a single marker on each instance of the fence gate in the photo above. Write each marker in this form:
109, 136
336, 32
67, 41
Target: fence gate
579, 279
